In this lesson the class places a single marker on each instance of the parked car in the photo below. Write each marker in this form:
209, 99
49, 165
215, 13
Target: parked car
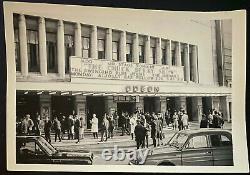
203, 147
36, 150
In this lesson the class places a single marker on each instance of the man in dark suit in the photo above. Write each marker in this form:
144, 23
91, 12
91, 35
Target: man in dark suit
140, 132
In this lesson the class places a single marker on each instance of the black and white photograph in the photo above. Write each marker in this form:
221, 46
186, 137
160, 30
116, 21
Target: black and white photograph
92, 86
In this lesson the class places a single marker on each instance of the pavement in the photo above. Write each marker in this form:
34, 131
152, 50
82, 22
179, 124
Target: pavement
123, 141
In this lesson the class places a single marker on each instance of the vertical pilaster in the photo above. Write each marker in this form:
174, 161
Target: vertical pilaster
110, 104
181, 103
196, 108
224, 107
178, 53
80, 108
123, 46
78, 40
195, 67
140, 103
186, 63
23, 45
45, 107
135, 53
169, 53
93, 42
61, 49
158, 51
108, 44
148, 59
163, 101
42, 47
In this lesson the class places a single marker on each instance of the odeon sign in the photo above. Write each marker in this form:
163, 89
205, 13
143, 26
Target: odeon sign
137, 88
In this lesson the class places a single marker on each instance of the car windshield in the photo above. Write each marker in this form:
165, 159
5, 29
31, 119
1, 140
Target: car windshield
178, 140
47, 146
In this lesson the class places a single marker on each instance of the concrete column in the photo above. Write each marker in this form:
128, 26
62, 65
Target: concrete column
135, 53
163, 104
224, 107
78, 40
110, 104
42, 47
194, 61
23, 45
140, 104
178, 54
169, 53
216, 103
61, 49
181, 103
158, 51
122, 48
93, 43
45, 107
147, 51
186, 63
196, 108
108, 44
80, 108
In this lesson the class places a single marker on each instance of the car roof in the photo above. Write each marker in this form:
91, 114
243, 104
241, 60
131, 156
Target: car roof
205, 131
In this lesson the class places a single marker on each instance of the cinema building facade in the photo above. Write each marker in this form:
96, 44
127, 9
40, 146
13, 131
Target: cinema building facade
105, 62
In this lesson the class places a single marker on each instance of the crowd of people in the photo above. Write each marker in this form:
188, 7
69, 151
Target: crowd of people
72, 125
141, 126
214, 119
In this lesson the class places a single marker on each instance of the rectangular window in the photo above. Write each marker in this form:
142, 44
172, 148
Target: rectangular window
141, 49
152, 54
129, 46
173, 53
141, 54
69, 44
85, 41
163, 52
51, 44
101, 49
191, 63
85, 47
17, 43
115, 45
182, 55
33, 44
164, 56
129, 52
115, 50
101, 36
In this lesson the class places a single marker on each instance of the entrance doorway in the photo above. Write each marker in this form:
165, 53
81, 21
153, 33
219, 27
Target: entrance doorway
128, 107
95, 105
62, 106
171, 104
206, 104
149, 104
27, 104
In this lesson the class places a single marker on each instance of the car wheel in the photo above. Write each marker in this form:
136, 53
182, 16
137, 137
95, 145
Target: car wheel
166, 164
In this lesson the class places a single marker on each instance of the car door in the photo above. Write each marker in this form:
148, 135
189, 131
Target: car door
196, 152
222, 149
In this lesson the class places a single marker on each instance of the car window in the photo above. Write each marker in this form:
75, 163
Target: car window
197, 142
30, 147
219, 140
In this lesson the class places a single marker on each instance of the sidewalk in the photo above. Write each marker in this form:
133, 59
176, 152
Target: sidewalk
124, 141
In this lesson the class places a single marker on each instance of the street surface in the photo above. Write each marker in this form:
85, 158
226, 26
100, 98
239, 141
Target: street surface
123, 142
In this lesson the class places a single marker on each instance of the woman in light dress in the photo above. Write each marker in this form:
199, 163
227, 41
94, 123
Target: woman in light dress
132, 122
185, 120
175, 121
94, 126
